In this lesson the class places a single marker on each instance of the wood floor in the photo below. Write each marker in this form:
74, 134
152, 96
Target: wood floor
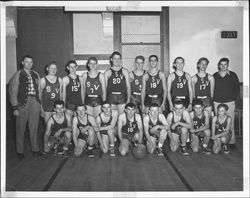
172, 172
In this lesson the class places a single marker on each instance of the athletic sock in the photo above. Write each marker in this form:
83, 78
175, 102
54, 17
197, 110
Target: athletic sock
204, 145
159, 145
90, 147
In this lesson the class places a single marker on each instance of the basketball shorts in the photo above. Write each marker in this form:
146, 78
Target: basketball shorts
150, 99
156, 134
206, 100
200, 134
229, 134
104, 132
71, 107
136, 98
117, 98
93, 100
177, 130
129, 136
48, 106
185, 100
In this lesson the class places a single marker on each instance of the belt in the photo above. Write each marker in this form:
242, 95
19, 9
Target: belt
181, 97
202, 97
136, 93
116, 93
93, 96
153, 96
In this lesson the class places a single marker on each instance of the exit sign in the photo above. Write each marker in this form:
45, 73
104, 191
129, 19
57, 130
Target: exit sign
229, 34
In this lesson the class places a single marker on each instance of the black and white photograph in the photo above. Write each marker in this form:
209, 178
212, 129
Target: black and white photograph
125, 99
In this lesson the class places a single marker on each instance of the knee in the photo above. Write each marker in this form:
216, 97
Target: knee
111, 132
173, 148
223, 140
184, 130
163, 133
195, 149
207, 132
68, 135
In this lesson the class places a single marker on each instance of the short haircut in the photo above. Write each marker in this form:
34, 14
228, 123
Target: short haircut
203, 59
68, 63
197, 102
91, 59
223, 60
82, 105
131, 105
154, 105
112, 55
221, 105
105, 102
178, 102
140, 57
58, 102
26, 56
151, 56
48, 66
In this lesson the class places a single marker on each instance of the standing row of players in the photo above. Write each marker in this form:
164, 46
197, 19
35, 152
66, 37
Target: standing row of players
132, 131
116, 85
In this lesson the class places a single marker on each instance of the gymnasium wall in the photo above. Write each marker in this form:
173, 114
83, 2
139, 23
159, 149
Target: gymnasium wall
45, 34
195, 32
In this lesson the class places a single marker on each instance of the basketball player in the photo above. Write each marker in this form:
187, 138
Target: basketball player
200, 119
72, 93
180, 122
130, 130
118, 83
156, 129
94, 88
221, 129
154, 88
84, 127
136, 81
58, 129
180, 85
106, 121
203, 85
51, 89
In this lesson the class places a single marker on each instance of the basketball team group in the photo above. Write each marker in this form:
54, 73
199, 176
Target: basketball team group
118, 110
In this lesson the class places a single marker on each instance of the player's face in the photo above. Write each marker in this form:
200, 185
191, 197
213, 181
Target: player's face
27, 63
178, 109
154, 112
106, 109
117, 61
72, 68
92, 65
81, 111
130, 112
223, 66
202, 65
179, 64
198, 109
222, 111
139, 64
59, 109
52, 69
153, 62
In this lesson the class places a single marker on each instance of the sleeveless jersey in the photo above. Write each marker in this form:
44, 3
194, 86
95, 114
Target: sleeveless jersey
220, 128
56, 126
80, 124
93, 85
130, 127
136, 84
51, 93
154, 85
179, 86
199, 122
104, 124
151, 124
73, 91
181, 120
117, 82
202, 86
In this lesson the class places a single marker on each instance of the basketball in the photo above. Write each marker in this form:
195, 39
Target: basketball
139, 153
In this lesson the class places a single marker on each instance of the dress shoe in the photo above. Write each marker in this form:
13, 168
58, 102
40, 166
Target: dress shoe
20, 155
37, 153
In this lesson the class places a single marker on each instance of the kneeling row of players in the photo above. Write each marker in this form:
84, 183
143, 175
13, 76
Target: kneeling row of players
129, 129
